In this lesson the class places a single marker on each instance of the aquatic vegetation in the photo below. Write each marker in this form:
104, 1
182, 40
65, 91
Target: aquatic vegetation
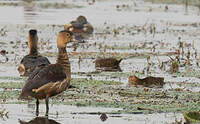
57, 5
43, 5
192, 117
153, 38
83, 92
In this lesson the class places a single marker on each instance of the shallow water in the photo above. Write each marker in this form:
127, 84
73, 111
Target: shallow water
15, 21
66, 114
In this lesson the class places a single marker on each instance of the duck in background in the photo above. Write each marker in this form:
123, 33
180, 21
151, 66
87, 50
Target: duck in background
80, 28
146, 82
31, 61
108, 64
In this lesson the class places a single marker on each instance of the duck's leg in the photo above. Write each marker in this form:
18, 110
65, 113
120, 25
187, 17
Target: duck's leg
47, 105
37, 107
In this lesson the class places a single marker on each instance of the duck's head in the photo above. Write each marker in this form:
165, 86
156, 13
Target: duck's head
32, 39
81, 19
63, 38
119, 59
132, 79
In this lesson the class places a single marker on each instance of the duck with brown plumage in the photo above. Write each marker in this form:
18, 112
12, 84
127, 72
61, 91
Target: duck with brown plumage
146, 82
51, 79
80, 27
32, 60
108, 64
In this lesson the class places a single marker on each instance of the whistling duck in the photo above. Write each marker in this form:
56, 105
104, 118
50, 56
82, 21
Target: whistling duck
108, 64
81, 28
52, 79
148, 81
32, 60
39, 120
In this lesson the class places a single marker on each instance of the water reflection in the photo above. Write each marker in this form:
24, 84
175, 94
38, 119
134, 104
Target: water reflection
39, 120
29, 10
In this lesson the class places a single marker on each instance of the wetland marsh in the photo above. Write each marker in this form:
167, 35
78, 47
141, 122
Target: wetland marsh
144, 34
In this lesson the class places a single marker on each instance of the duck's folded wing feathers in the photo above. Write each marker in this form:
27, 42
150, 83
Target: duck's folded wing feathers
43, 75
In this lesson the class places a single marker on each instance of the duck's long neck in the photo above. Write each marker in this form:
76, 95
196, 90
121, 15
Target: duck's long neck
33, 51
63, 59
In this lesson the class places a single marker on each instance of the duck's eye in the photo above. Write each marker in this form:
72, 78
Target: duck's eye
67, 35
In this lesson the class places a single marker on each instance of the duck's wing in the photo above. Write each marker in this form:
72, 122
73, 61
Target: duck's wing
43, 75
77, 25
28, 58
36, 71
43, 60
88, 28
31, 60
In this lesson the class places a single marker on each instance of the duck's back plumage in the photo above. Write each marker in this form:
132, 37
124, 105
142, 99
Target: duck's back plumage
30, 62
80, 27
107, 62
77, 25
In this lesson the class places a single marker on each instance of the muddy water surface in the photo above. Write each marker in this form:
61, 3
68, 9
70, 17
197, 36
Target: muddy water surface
133, 42
68, 114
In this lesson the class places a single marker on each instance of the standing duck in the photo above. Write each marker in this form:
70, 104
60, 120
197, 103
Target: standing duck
108, 64
52, 79
32, 60
81, 28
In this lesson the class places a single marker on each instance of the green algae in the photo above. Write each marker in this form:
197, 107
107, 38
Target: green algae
13, 78
190, 73
112, 94
11, 85
192, 117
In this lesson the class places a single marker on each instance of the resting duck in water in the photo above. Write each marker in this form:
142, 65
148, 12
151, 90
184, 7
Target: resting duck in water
146, 82
52, 79
81, 28
32, 60
108, 64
